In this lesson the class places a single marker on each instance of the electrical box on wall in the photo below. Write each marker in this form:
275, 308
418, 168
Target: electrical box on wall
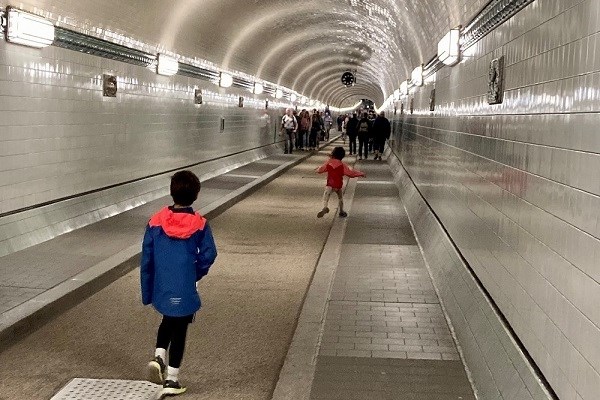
496, 81
197, 96
109, 85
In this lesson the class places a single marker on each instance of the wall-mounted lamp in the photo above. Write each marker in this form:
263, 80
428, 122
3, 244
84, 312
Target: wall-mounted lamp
417, 76
225, 80
404, 88
258, 88
278, 93
449, 48
167, 65
304, 100
293, 97
28, 29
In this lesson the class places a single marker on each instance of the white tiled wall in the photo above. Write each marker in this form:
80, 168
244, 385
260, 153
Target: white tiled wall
517, 185
60, 137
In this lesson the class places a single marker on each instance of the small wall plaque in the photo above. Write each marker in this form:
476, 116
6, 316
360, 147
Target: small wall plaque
496, 81
109, 85
197, 96
432, 100
240, 101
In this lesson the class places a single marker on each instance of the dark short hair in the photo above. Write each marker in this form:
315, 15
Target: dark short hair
338, 153
185, 187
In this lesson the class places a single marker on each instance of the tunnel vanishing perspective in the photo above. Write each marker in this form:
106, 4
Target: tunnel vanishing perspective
466, 266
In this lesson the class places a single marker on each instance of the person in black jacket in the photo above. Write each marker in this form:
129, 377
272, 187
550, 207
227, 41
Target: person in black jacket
352, 131
381, 131
364, 131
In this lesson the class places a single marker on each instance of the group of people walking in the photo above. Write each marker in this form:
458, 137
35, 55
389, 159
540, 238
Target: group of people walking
371, 134
303, 131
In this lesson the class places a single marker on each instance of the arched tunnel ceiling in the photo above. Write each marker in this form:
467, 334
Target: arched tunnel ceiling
302, 45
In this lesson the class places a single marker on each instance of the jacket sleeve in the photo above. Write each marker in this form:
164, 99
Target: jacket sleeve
352, 173
207, 253
147, 267
322, 168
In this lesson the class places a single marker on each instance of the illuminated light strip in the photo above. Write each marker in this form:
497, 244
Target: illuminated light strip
28, 29
491, 17
345, 109
167, 66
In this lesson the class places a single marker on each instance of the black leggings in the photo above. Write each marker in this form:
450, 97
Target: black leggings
352, 143
363, 142
172, 331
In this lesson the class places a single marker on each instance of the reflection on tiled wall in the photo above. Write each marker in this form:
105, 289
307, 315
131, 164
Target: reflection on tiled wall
517, 184
59, 136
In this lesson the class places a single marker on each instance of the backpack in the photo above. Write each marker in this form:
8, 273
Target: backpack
363, 127
289, 122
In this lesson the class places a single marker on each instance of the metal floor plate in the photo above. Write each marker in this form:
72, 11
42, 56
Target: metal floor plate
108, 389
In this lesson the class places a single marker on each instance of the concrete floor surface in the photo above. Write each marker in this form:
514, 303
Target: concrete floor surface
268, 247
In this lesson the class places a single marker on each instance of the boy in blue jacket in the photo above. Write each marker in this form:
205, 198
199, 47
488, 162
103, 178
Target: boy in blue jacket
177, 252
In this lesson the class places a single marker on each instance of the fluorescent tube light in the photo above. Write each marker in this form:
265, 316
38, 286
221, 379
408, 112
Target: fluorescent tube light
417, 76
449, 48
28, 29
404, 88
167, 65
226, 80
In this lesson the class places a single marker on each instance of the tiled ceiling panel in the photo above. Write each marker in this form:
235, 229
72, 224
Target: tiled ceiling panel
303, 45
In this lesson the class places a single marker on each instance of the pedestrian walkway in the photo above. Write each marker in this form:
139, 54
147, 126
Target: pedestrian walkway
383, 334
43, 280
268, 243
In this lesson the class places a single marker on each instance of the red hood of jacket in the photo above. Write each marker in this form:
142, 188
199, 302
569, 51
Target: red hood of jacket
179, 225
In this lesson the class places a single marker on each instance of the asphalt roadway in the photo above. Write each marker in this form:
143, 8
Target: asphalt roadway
269, 244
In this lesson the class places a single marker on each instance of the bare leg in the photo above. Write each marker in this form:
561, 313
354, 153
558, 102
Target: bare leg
326, 195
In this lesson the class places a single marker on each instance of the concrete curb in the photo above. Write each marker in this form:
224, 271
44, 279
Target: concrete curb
29, 316
297, 374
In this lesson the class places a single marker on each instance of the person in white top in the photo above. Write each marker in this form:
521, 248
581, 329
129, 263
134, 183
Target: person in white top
289, 126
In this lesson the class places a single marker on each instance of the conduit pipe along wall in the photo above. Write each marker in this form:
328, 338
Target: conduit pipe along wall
510, 169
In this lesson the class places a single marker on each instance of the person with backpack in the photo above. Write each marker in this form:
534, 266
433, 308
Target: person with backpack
364, 131
289, 126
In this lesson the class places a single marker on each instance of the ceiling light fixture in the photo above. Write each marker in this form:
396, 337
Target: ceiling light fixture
28, 29
225, 80
167, 65
449, 48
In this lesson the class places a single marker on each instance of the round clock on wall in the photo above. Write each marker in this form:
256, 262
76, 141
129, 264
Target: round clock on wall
348, 78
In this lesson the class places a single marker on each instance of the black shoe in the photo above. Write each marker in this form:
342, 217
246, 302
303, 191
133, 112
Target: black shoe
156, 370
343, 214
172, 388
321, 213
